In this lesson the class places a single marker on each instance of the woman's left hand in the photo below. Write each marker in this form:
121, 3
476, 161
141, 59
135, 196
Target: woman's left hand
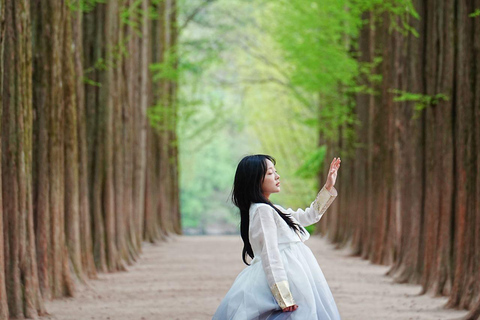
290, 309
332, 173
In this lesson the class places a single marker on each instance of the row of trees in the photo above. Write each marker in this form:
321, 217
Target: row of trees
393, 88
84, 176
410, 182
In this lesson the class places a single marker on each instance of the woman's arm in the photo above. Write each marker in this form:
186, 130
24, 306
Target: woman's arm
317, 208
263, 230
323, 200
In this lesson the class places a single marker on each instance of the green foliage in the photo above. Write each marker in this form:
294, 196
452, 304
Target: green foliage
474, 14
88, 81
278, 74
318, 41
399, 13
83, 5
314, 40
158, 115
313, 164
421, 101
188, 64
132, 15
206, 181
311, 229
166, 70
117, 53
366, 71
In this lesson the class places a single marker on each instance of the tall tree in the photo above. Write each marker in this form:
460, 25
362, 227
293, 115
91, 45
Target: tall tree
55, 116
409, 161
3, 292
72, 184
88, 265
55, 144
93, 45
21, 269
467, 212
108, 99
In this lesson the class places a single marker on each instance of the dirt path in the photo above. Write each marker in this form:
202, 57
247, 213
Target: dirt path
187, 277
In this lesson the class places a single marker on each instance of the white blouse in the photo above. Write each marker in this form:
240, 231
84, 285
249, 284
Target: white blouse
268, 231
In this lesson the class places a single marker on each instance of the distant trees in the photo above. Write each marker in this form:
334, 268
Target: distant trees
84, 178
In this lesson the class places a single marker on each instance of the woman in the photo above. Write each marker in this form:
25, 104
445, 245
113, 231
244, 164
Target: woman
283, 281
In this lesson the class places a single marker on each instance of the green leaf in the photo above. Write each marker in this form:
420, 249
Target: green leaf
474, 14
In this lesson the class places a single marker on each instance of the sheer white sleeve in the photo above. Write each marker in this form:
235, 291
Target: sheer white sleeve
263, 230
314, 213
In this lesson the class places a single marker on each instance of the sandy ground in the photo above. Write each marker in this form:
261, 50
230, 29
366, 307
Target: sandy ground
187, 277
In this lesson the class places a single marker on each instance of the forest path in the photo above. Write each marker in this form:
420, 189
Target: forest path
187, 277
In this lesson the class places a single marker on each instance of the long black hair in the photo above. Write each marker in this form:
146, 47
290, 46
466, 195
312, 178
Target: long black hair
247, 189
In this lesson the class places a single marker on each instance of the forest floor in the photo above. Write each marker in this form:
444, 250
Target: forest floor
186, 278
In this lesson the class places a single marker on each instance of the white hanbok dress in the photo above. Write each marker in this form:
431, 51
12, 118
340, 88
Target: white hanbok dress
284, 270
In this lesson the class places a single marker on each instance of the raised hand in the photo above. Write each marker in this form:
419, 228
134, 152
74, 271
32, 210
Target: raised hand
332, 173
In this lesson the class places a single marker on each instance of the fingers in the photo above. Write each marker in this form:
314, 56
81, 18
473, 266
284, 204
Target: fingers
290, 309
335, 164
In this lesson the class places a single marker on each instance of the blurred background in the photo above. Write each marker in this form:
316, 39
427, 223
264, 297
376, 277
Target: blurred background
239, 96
122, 121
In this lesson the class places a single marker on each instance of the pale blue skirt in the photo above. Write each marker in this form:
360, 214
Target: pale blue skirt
250, 296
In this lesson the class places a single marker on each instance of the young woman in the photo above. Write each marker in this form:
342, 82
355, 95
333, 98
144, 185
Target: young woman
284, 280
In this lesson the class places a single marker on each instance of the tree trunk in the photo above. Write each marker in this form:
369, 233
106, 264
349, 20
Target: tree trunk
466, 268
120, 150
133, 160
61, 280
88, 264
21, 270
41, 181
72, 209
127, 139
3, 292
173, 143
141, 126
439, 170
151, 225
94, 45
108, 100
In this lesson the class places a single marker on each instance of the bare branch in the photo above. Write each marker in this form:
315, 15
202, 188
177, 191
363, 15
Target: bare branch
192, 15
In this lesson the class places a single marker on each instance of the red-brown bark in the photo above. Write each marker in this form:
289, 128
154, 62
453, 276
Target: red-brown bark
23, 293
88, 264
72, 208
74, 155
3, 292
418, 175
109, 97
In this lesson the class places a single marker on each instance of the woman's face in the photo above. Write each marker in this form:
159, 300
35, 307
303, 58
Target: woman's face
271, 181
